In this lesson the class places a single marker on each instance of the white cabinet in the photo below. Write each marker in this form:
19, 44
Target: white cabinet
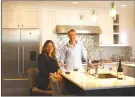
9, 18
126, 29
20, 17
73, 17
88, 21
28, 18
61, 18
125, 24
47, 26
88, 18
124, 32
105, 22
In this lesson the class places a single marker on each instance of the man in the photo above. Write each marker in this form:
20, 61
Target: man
73, 52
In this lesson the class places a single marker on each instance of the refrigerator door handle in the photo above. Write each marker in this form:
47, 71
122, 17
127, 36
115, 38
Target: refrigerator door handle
23, 60
18, 60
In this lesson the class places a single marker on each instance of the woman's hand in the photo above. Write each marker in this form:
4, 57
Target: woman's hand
57, 76
59, 63
59, 71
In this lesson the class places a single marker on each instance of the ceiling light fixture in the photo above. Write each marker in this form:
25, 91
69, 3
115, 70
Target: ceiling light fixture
81, 16
75, 2
123, 5
94, 16
113, 10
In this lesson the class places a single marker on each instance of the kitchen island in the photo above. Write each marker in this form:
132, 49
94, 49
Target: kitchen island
79, 83
129, 64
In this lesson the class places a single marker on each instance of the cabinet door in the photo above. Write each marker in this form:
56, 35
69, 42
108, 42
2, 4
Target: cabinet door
29, 17
125, 27
62, 18
88, 18
68, 17
75, 18
48, 25
105, 23
9, 18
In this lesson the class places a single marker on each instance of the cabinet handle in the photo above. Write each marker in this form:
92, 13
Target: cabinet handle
18, 25
22, 25
23, 60
18, 60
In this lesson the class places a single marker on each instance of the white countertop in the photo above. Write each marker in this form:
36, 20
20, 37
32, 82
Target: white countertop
129, 64
89, 82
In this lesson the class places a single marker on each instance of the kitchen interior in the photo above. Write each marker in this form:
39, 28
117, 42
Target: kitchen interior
106, 28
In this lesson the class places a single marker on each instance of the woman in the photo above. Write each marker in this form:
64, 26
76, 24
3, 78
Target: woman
47, 65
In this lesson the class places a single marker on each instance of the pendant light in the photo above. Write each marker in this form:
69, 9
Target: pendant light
82, 19
94, 16
113, 10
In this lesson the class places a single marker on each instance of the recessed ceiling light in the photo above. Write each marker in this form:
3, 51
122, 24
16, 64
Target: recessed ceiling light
74, 2
123, 5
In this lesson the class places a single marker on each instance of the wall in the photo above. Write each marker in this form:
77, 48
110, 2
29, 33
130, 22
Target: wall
91, 44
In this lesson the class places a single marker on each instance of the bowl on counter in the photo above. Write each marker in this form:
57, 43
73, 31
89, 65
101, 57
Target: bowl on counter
67, 72
75, 69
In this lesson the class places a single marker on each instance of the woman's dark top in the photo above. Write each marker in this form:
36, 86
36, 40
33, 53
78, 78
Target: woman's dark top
46, 65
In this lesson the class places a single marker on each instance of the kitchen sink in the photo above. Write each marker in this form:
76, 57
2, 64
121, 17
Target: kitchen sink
103, 76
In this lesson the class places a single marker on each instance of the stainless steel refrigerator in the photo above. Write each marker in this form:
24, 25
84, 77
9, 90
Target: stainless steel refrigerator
20, 49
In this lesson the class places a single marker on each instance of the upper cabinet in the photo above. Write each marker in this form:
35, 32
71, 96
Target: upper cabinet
105, 22
119, 32
18, 17
10, 18
74, 17
125, 27
61, 18
88, 18
69, 17
28, 18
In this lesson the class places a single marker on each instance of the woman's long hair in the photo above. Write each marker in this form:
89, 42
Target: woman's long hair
43, 51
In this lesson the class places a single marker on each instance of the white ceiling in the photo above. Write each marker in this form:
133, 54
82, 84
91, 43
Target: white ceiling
83, 4
90, 4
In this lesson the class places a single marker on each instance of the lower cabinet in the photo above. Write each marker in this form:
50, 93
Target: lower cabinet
14, 87
130, 71
15, 92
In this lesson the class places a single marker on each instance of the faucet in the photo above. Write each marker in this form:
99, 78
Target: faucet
88, 67
101, 61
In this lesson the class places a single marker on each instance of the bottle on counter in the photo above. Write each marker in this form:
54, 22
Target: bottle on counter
122, 59
120, 70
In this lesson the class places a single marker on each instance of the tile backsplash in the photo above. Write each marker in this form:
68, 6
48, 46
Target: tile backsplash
91, 44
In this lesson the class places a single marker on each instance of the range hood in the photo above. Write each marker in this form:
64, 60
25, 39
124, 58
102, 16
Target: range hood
63, 29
